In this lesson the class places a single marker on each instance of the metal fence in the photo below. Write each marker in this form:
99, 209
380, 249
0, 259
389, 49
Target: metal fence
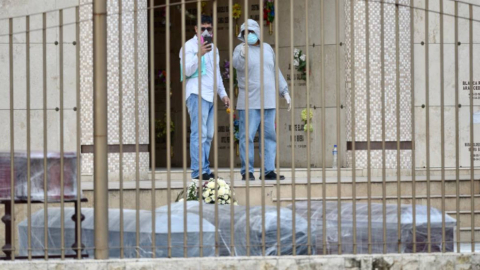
317, 210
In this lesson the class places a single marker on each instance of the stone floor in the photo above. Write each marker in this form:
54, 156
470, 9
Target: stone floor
388, 261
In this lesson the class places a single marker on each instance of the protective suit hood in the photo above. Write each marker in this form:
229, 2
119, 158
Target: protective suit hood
253, 26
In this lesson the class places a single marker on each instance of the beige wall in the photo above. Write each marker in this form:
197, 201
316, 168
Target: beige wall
419, 81
20, 8
10, 8
449, 77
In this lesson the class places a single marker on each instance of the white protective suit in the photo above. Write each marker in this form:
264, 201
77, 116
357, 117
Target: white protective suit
254, 73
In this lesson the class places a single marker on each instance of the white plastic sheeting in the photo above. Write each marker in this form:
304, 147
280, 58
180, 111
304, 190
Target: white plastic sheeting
240, 228
129, 219
177, 231
362, 217
37, 175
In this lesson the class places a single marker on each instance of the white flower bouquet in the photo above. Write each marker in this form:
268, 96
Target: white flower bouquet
224, 193
300, 62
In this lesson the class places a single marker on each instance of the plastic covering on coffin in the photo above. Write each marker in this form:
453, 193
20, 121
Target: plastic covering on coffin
129, 219
406, 227
177, 214
37, 175
240, 228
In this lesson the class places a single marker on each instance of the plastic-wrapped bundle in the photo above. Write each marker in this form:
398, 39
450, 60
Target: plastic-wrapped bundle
240, 228
406, 227
37, 175
286, 244
129, 219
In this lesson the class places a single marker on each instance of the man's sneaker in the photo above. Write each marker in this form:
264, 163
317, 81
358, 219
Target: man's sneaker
205, 177
272, 176
250, 175
212, 175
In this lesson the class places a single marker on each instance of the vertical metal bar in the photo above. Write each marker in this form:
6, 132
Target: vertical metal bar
472, 168
137, 125
45, 180
78, 206
457, 131
442, 120
12, 146
62, 179
427, 119
384, 173
262, 128
247, 113
292, 123
412, 87
397, 110
137, 159
339, 130
29, 182
100, 128
184, 137
120, 120
352, 95
169, 160
232, 158
200, 155
277, 134
324, 176
369, 173
309, 174
152, 119
215, 125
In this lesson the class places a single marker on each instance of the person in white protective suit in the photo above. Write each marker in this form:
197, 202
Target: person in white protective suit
251, 39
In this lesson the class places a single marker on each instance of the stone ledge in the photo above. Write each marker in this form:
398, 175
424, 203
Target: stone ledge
360, 262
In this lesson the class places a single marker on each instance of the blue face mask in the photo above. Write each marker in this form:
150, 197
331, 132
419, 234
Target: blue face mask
252, 38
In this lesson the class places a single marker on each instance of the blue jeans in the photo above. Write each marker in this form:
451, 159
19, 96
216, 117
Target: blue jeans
207, 133
254, 126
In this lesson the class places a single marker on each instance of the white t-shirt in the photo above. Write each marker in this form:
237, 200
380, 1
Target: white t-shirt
191, 66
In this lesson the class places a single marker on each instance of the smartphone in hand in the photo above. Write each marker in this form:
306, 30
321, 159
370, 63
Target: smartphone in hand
208, 39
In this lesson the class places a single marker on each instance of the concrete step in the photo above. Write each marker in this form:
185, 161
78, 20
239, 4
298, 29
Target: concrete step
466, 234
376, 188
466, 218
332, 185
177, 173
435, 201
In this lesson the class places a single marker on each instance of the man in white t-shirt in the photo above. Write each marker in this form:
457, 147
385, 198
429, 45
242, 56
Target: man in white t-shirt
207, 92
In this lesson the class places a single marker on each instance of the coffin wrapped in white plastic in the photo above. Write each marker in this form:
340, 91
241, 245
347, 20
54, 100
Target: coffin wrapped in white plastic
362, 217
255, 225
37, 173
129, 223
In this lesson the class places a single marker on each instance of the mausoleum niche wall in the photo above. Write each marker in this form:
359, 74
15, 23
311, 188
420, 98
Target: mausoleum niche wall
358, 64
